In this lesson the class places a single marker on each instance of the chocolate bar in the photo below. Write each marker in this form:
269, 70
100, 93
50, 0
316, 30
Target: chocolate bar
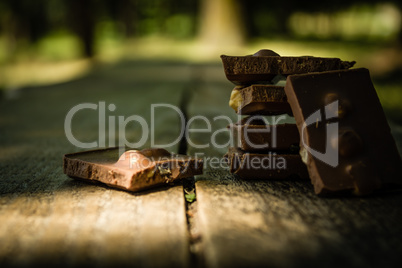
345, 138
259, 99
133, 170
252, 134
246, 70
269, 165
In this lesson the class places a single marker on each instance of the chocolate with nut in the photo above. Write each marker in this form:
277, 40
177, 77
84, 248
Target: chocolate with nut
345, 138
246, 70
259, 99
133, 170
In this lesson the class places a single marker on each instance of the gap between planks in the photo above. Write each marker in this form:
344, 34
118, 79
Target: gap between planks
190, 195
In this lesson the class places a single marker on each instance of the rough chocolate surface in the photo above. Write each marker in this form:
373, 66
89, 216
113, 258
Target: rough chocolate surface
260, 99
261, 69
254, 135
349, 118
269, 165
133, 170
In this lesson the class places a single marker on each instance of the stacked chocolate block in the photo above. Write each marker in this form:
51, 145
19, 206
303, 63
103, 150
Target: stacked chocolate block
338, 150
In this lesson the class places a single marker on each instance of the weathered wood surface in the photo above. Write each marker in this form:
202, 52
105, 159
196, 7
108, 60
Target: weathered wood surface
283, 223
48, 218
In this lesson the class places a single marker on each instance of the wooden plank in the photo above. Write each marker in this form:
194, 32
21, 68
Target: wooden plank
252, 223
49, 218
277, 223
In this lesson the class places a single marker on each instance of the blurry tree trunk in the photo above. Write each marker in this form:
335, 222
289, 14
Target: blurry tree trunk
221, 23
282, 17
22, 23
129, 16
124, 12
82, 22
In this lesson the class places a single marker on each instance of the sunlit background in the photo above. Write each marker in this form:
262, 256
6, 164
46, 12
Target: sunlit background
50, 41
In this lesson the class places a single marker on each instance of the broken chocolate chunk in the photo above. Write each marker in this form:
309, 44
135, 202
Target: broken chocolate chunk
269, 165
254, 135
260, 99
345, 138
246, 70
133, 170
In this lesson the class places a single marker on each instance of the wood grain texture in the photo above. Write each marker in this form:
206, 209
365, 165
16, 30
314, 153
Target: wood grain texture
257, 223
48, 218
283, 223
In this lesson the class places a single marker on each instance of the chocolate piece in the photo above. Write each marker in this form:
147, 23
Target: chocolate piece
248, 70
260, 99
345, 138
268, 165
133, 170
254, 135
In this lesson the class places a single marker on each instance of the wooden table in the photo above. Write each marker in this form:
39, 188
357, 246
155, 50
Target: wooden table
48, 218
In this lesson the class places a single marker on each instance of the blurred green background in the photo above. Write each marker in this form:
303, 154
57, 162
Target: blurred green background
50, 41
